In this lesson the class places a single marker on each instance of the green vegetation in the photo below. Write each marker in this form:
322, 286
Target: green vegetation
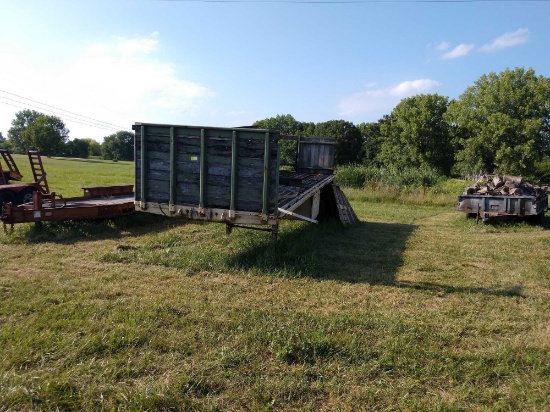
500, 124
68, 176
397, 180
415, 308
415, 135
118, 146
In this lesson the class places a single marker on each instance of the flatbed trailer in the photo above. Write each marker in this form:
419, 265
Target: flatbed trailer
97, 202
232, 176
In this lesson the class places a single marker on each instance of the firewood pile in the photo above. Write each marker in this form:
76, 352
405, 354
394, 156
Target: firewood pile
495, 185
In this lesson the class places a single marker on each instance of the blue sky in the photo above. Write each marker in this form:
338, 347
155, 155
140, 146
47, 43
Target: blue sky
229, 64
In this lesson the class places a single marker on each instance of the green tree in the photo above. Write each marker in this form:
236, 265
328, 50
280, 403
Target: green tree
372, 140
18, 125
118, 146
94, 148
3, 142
286, 124
47, 134
79, 148
348, 140
416, 135
502, 123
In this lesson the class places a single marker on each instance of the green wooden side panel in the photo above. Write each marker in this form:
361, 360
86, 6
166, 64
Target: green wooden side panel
178, 173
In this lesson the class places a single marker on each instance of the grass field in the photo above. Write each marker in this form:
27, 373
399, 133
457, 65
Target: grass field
68, 176
415, 308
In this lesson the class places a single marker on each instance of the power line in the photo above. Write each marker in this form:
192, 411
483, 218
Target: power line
25, 106
76, 120
85, 120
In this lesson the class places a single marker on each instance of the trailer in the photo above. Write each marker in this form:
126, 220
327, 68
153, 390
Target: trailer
232, 176
488, 207
96, 202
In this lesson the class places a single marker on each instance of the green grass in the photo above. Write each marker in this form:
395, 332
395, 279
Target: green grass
68, 176
415, 308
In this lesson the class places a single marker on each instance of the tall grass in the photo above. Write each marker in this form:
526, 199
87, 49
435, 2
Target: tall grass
359, 177
416, 186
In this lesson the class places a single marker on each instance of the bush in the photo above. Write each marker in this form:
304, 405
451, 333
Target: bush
360, 177
542, 171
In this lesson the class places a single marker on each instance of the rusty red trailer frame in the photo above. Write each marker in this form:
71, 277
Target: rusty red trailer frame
97, 202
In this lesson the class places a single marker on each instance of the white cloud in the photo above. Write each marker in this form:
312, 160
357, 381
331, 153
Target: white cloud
125, 71
119, 82
459, 51
520, 36
383, 99
412, 87
444, 45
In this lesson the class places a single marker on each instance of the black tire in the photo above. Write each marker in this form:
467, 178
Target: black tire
25, 195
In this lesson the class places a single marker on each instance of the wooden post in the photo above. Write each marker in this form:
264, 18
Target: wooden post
202, 178
143, 199
234, 172
173, 172
267, 175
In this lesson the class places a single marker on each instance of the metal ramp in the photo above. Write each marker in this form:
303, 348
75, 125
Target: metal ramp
13, 171
38, 170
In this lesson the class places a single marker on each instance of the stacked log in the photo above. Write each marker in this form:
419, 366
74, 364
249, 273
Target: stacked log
496, 185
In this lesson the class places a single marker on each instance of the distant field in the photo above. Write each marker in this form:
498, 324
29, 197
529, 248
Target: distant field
68, 176
415, 308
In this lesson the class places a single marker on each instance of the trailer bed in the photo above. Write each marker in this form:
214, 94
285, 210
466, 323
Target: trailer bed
301, 188
97, 202
490, 206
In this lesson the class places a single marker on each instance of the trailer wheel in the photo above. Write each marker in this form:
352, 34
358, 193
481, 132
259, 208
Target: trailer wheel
25, 195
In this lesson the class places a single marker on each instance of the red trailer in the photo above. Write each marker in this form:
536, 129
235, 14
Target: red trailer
20, 193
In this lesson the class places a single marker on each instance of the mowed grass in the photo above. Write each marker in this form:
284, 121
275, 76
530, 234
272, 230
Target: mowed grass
68, 176
415, 308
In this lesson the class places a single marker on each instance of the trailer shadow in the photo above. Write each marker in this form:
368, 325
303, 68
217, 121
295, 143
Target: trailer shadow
365, 252
74, 231
368, 252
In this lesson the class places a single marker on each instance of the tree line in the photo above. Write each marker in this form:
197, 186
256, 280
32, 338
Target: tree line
48, 134
500, 124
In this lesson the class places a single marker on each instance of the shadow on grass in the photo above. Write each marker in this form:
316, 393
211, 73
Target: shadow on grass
368, 252
365, 252
74, 231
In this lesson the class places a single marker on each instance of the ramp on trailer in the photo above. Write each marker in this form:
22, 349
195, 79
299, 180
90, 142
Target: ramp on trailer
346, 215
21, 192
13, 171
97, 202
